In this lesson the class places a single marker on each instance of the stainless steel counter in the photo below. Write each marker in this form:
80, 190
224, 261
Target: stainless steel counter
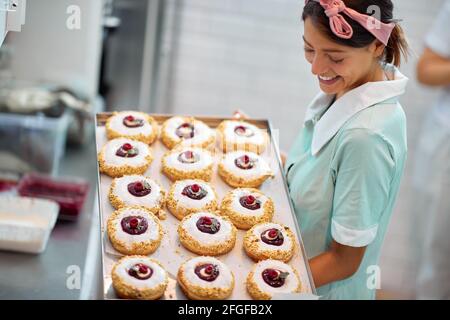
44, 276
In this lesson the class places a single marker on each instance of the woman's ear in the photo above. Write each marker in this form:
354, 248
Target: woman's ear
378, 49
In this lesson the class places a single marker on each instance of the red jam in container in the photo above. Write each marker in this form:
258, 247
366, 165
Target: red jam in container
7, 185
69, 195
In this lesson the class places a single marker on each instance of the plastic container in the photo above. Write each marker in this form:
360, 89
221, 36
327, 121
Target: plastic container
26, 223
32, 142
7, 184
69, 193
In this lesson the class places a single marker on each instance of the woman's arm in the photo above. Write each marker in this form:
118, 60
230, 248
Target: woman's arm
338, 263
433, 69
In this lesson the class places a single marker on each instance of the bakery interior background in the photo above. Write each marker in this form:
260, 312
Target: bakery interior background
201, 57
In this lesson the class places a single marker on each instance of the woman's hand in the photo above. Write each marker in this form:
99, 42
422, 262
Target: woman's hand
338, 263
283, 157
241, 115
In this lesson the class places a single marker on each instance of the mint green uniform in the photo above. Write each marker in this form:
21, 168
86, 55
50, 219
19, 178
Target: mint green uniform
344, 173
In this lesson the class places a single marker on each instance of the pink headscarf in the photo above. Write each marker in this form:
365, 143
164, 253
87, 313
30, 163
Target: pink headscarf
341, 28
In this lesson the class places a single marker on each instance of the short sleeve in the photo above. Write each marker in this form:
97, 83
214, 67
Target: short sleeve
438, 39
363, 169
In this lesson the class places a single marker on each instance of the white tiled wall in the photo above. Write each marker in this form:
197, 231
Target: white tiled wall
247, 54
241, 54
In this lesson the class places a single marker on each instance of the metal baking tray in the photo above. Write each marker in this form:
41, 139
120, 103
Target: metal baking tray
171, 253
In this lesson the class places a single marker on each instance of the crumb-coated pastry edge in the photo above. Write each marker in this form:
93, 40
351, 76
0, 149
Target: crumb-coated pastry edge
246, 222
148, 139
193, 245
180, 212
127, 291
140, 248
195, 292
117, 203
257, 294
251, 244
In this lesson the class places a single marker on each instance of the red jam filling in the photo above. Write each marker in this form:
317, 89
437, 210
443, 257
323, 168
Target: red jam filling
134, 225
273, 237
132, 122
139, 188
140, 271
208, 272
250, 202
188, 157
127, 151
208, 225
243, 131
274, 277
244, 162
185, 131
194, 191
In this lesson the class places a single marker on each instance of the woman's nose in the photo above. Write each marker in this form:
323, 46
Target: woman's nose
318, 65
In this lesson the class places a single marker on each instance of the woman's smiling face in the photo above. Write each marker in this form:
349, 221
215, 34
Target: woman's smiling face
340, 68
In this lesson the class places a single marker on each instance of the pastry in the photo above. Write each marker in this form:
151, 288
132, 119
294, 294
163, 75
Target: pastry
188, 196
123, 156
269, 277
242, 169
188, 163
132, 125
240, 135
246, 207
186, 131
139, 277
205, 278
206, 233
134, 230
136, 190
269, 241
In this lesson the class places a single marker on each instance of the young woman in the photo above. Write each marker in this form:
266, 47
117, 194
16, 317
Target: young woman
345, 166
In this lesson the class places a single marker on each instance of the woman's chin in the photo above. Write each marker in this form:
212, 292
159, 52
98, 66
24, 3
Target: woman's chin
328, 90
331, 88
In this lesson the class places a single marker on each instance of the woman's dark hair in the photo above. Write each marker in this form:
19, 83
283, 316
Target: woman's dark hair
397, 45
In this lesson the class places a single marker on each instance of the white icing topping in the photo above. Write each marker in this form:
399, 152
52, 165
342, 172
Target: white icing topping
111, 147
260, 228
185, 201
202, 131
205, 159
158, 277
116, 124
151, 200
259, 169
237, 207
151, 234
190, 225
232, 137
291, 282
224, 279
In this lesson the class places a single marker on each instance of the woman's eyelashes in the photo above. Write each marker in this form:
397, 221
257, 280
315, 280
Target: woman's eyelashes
335, 60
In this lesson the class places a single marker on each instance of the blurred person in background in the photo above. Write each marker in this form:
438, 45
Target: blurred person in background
431, 179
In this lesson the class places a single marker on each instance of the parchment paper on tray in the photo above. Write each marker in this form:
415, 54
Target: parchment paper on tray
171, 253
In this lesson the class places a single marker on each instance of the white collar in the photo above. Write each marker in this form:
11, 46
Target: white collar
349, 104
